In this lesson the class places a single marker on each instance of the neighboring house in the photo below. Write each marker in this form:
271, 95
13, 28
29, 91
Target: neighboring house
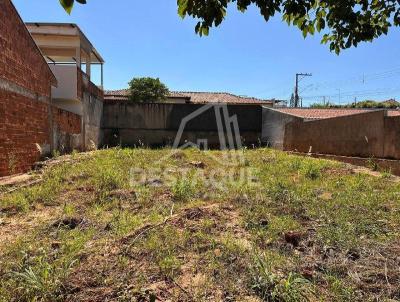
66, 50
177, 97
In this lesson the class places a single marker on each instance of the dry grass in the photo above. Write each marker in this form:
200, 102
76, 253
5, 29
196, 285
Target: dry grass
300, 229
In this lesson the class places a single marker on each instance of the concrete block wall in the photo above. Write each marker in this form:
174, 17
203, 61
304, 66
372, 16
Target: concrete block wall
354, 135
92, 120
157, 124
92, 99
391, 146
273, 127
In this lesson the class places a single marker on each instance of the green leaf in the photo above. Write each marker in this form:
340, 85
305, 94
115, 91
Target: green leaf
311, 29
67, 5
182, 8
320, 24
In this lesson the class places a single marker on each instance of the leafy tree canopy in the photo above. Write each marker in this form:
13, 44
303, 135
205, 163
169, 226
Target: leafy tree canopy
389, 104
147, 90
344, 23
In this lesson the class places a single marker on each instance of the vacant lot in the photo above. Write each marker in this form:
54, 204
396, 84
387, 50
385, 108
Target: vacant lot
290, 229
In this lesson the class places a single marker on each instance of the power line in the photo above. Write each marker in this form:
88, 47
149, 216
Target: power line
380, 91
360, 79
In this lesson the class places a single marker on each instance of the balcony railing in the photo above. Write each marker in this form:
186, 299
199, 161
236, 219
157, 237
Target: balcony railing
72, 83
85, 85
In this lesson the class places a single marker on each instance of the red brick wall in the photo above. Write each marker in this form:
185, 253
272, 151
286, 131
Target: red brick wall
67, 122
21, 61
24, 121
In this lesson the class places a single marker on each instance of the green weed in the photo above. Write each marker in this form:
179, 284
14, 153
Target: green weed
272, 287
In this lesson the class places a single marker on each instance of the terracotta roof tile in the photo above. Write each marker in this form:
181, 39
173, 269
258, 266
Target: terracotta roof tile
195, 97
309, 113
393, 112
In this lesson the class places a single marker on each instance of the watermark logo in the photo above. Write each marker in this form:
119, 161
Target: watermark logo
229, 163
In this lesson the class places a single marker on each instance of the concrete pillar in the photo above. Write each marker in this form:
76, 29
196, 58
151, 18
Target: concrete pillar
88, 65
102, 79
78, 57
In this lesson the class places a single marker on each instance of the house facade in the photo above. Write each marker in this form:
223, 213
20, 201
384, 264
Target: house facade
72, 58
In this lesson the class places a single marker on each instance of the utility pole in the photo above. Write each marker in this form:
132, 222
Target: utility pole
340, 99
299, 76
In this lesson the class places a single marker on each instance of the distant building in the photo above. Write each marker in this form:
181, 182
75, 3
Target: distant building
67, 50
190, 97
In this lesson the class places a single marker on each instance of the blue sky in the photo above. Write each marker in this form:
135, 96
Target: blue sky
245, 55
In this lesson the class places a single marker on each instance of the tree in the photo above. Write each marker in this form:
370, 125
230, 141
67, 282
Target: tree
344, 23
147, 90
389, 104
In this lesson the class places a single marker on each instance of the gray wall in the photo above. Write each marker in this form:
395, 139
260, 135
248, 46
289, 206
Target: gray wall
354, 135
91, 119
156, 124
273, 127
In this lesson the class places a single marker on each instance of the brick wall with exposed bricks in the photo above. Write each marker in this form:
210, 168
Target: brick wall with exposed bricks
66, 121
25, 90
21, 61
24, 124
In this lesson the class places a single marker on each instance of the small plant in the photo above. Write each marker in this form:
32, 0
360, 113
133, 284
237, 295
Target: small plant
16, 201
107, 180
387, 173
69, 210
56, 153
311, 171
37, 279
271, 287
169, 265
183, 189
372, 164
340, 291
125, 222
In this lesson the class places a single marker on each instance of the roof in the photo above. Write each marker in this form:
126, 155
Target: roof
393, 112
63, 30
194, 97
314, 114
